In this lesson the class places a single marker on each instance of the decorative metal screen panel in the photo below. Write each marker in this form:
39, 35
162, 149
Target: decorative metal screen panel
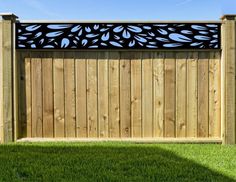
117, 35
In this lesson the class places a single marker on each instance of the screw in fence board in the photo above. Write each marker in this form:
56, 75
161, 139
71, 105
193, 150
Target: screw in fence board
228, 78
6, 76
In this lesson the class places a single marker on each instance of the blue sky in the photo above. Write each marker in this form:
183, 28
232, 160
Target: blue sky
119, 9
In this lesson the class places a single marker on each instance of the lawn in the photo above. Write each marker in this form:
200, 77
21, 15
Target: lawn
112, 161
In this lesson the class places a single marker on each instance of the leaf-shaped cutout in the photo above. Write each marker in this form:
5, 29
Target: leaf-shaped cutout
84, 42
91, 35
48, 46
80, 32
30, 41
161, 25
171, 29
152, 43
162, 39
20, 45
38, 34
212, 25
151, 46
75, 42
94, 41
32, 28
173, 45
54, 34
126, 34
33, 46
147, 27
22, 38
201, 37
140, 39
198, 27
162, 31
116, 37
140, 43
196, 44
151, 34
76, 28
95, 27
88, 29
135, 29
65, 42
214, 41
215, 36
132, 43
103, 44
213, 31
116, 44
28, 33
186, 32
104, 29
105, 36
41, 41
204, 32
93, 46
179, 37
118, 29
59, 26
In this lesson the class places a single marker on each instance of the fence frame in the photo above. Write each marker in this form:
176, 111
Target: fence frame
9, 76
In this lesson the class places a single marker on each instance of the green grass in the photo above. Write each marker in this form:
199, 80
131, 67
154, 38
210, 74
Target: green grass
112, 161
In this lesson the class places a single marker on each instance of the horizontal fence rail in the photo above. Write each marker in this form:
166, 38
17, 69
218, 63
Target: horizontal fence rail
118, 35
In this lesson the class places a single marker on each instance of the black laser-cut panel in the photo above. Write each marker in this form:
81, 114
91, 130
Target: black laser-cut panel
118, 35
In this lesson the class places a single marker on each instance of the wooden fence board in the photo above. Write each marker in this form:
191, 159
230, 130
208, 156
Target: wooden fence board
136, 95
170, 121
181, 93
203, 94
69, 81
81, 97
125, 105
192, 61
47, 80
114, 96
158, 89
103, 94
37, 115
147, 109
92, 118
59, 102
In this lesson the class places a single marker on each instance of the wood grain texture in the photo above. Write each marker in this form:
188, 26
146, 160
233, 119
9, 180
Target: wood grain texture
37, 104
136, 95
28, 95
203, 94
214, 95
69, 81
92, 93
192, 94
181, 94
158, 94
81, 96
58, 87
170, 120
47, 79
147, 91
103, 101
114, 95
125, 105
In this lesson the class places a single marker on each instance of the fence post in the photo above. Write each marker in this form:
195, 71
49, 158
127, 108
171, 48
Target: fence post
6, 77
228, 78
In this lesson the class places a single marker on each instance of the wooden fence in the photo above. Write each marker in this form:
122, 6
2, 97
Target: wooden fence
118, 94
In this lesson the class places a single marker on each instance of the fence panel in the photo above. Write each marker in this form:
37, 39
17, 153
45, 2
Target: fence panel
120, 94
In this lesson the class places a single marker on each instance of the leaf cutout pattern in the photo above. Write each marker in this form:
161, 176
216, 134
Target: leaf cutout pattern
117, 35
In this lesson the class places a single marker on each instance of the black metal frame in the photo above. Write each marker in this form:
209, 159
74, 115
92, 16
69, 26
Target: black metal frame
118, 35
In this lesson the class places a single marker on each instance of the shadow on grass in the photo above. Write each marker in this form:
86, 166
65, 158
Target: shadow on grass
98, 163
